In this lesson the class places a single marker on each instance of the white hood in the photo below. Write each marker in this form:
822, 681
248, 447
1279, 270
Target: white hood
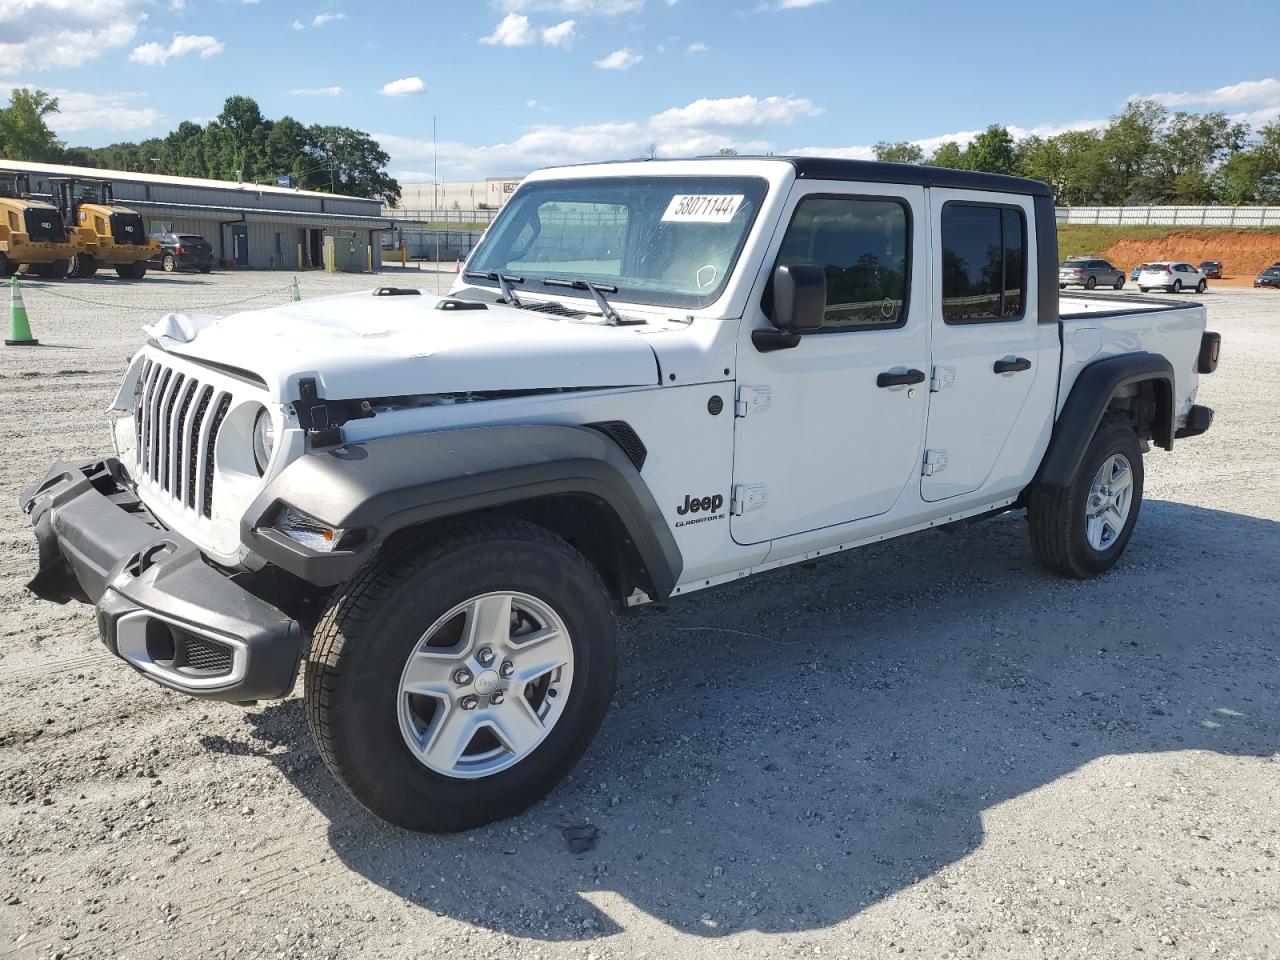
357, 345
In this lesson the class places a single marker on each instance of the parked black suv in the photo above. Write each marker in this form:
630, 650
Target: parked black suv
1212, 269
183, 251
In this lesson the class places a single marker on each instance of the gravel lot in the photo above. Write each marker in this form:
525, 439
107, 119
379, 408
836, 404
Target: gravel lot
928, 748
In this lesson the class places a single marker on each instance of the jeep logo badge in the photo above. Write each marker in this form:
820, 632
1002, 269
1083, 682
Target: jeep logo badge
705, 504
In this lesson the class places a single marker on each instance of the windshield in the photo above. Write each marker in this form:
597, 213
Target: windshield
667, 241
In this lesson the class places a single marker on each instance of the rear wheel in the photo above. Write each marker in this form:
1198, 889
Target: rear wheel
169, 263
1091, 283
1081, 529
1177, 287
132, 271
458, 679
206, 269
83, 266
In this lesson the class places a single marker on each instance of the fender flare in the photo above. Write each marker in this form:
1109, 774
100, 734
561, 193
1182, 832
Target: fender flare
386, 485
1087, 404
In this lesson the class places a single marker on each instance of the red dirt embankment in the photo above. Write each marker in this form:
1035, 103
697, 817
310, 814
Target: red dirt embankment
1243, 254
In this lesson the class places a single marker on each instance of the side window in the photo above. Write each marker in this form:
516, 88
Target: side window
984, 263
862, 244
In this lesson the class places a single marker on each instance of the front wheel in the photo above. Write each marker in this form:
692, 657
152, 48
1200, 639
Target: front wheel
458, 679
1202, 286
1119, 283
1081, 529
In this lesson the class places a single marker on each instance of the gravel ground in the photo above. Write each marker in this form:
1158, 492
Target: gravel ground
929, 748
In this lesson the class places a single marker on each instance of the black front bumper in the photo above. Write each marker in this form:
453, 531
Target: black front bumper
161, 607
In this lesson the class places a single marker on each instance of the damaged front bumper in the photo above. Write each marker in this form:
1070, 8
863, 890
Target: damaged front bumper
161, 607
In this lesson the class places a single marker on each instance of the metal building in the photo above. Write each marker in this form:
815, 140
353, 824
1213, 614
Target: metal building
249, 225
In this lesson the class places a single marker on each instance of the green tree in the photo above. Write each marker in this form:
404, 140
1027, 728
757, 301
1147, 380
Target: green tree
1252, 175
1186, 155
355, 163
24, 132
949, 154
992, 151
1130, 142
900, 152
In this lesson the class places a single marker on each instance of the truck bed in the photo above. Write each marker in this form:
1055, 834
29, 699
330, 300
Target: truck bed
1093, 326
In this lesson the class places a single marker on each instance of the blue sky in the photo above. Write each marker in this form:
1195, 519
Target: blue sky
518, 84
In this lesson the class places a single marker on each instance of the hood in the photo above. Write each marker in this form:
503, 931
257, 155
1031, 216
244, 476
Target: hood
360, 345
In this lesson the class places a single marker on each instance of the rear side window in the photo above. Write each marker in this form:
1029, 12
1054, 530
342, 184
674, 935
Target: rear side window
862, 244
984, 263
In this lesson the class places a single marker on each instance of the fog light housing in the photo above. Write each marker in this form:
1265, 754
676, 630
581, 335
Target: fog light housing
307, 530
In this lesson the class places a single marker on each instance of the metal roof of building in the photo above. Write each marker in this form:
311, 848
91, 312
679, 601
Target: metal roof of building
62, 170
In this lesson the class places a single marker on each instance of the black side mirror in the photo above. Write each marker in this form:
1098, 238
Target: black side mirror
799, 304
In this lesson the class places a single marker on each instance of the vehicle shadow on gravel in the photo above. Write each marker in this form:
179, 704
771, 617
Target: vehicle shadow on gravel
784, 753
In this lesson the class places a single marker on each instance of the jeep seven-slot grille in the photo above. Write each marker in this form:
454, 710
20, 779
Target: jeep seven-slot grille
176, 431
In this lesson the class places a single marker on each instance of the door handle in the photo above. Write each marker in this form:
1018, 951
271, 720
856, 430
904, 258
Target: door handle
900, 379
1012, 366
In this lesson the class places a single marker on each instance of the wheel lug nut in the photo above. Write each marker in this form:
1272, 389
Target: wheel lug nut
462, 675
507, 668
485, 656
496, 697
469, 702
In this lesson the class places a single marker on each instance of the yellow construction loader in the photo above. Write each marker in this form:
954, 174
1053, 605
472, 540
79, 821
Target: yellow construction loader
109, 235
31, 231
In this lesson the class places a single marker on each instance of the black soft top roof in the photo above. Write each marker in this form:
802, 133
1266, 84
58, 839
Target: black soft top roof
873, 171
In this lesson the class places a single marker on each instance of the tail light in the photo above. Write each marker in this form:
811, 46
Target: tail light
1210, 349
178, 250
1168, 269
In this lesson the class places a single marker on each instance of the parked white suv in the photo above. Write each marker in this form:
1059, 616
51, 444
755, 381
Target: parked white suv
1173, 276
653, 378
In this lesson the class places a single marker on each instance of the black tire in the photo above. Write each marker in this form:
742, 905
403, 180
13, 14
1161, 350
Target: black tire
83, 266
169, 263
7, 267
1143, 289
1062, 286
206, 269
1119, 285
375, 621
132, 271
1056, 515
1091, 283
1202, 286
1177, 287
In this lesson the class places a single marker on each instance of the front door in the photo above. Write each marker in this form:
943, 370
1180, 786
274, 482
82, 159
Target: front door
989, 352
830, 430
240, 244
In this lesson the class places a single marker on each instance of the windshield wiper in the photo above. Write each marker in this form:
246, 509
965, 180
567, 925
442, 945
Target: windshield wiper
597, 291
504, 284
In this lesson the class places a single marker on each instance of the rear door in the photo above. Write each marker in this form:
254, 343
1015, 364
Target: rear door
829, 430
989, 352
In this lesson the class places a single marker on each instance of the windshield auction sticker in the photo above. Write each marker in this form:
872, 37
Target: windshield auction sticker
702, 208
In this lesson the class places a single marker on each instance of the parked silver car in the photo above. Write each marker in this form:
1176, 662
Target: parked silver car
1089, 272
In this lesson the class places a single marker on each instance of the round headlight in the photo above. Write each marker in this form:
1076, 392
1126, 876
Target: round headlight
264, 440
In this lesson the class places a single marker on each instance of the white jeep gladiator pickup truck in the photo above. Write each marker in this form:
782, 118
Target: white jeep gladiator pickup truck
652, 378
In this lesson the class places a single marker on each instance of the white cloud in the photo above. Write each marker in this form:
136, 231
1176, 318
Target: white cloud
316, 92
298, 25
157, 54
404, 87
95, 111
731, 112
1247, 92
320, 19
798, 4
599, 8
513, 31
698, 47
697, 129
560, 34
623, 59
50, 34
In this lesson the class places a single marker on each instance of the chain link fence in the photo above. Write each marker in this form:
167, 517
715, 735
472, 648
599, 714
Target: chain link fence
1172, 216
